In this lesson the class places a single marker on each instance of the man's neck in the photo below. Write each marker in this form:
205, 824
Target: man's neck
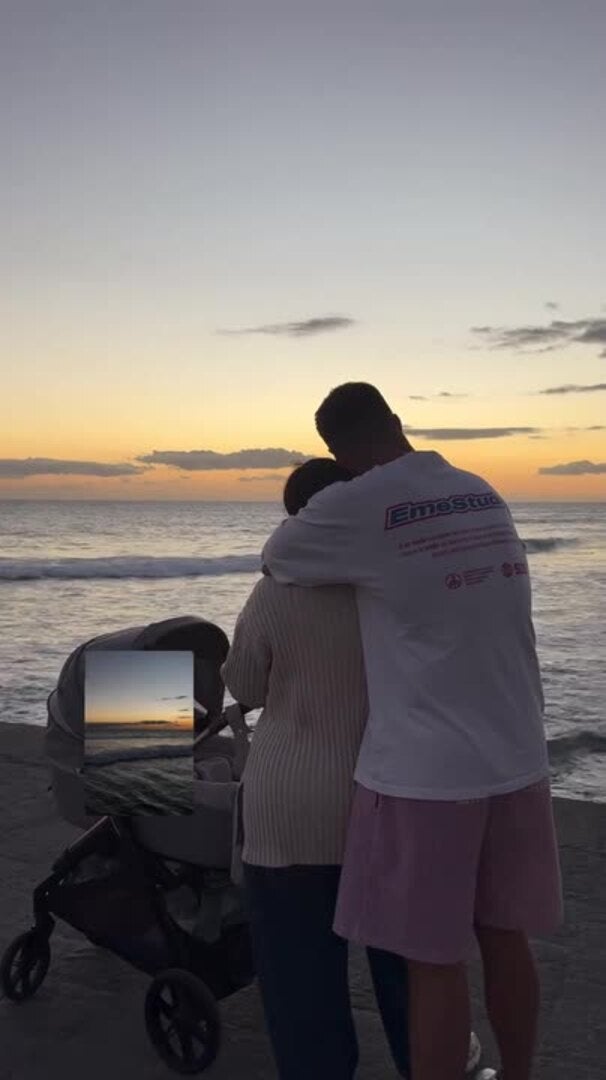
394, 453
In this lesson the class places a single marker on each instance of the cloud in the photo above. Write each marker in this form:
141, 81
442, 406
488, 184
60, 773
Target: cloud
210, 461
269, 477
573, 388
442, 394
568, 431
552, 305
593, 427
18, 468
574, 468
559, 333
470, 433
321, 324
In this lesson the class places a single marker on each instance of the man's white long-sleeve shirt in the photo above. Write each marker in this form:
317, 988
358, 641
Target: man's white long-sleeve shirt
444, 601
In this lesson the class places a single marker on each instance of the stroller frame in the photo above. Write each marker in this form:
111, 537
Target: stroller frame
189, 976
125, 910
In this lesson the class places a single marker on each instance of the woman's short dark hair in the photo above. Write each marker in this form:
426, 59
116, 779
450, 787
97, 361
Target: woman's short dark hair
308, 479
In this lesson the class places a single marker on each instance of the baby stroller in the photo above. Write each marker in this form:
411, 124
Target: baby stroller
161, 892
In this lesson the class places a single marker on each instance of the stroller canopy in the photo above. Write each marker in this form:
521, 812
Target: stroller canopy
65, 707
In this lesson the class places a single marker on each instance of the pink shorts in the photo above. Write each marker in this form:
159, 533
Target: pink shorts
419, 875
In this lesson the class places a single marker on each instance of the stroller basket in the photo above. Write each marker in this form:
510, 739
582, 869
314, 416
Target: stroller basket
108, 888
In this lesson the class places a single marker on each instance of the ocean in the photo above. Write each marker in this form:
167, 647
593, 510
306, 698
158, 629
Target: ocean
138, 769
71, 570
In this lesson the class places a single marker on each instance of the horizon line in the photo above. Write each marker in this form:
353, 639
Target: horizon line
248, 502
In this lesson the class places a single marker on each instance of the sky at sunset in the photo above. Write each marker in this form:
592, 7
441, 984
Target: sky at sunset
213, 211
137, 687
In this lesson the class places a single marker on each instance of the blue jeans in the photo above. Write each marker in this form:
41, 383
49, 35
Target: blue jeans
302, 967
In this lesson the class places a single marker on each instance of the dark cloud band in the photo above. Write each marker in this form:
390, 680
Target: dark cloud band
210, 461
575, 468
269, 478
20, 468
470, 433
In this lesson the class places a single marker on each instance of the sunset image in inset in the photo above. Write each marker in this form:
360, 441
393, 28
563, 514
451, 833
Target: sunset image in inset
138, 732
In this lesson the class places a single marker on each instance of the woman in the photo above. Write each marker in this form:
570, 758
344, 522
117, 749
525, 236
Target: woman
297, 652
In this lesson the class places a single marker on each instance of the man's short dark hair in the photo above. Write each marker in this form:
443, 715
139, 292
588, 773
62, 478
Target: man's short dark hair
352, 410
308, 479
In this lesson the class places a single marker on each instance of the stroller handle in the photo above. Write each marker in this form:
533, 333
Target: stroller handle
232, 716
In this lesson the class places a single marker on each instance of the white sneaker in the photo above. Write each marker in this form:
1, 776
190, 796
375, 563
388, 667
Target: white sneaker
487, 1074
475, 1054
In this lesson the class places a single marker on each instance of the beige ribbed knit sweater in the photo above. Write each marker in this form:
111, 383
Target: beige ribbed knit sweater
297, 651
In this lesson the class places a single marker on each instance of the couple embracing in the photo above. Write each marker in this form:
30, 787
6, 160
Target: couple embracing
397, 789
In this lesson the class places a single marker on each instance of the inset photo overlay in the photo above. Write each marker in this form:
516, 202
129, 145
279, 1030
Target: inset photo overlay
139, 710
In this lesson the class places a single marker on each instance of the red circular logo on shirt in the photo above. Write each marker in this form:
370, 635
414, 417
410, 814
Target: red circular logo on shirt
454, 581
507, 569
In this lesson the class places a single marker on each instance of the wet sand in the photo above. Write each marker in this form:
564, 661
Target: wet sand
87, 1018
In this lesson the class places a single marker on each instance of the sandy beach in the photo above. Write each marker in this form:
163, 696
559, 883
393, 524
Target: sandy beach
87, 1017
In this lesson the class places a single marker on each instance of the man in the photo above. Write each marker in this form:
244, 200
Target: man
452, 829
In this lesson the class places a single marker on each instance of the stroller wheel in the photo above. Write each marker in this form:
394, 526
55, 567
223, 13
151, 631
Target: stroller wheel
182, 1021
24, 965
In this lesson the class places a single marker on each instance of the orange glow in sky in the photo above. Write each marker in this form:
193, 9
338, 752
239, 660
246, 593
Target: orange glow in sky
133, 687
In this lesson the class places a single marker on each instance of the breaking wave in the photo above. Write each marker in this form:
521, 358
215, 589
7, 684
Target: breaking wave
561, 749
127, 566
566, 747
148, 566
548, 543
138, 753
